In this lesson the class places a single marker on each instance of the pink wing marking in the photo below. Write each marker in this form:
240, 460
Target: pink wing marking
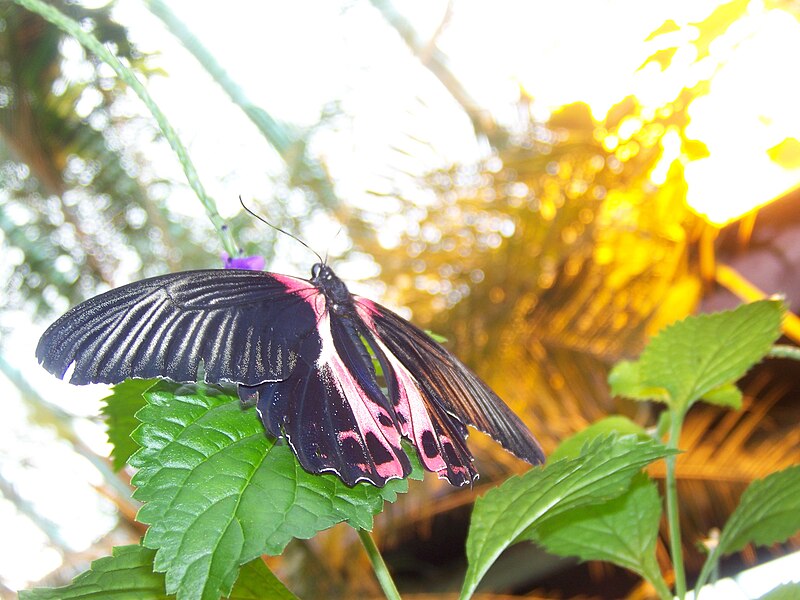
293, 284
374, 422
417, 424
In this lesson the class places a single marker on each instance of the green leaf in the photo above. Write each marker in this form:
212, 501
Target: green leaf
787, 591
725, 395
126, 575
219, 493
602, 471
120, 407
626, 380
694, 356
768, 512
435, 336
623, 530
571, 447
256, 582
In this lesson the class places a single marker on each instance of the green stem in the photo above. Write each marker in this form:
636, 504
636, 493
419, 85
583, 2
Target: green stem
275, 132
91, 43
662, 589
784, 351
708, 567
652, 573
381, 572
676, 550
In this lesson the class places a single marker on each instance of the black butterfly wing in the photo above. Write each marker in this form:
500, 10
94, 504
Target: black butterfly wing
307, 367
437, 394
244, 326
331, 409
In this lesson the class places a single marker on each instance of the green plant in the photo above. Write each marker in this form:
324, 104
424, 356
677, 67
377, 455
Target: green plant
699, 358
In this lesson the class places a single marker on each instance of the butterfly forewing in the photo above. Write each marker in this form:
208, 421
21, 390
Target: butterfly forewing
242, 325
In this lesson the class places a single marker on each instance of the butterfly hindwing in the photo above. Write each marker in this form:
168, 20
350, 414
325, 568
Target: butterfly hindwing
439, 437
243, 326
331, 409
442, 394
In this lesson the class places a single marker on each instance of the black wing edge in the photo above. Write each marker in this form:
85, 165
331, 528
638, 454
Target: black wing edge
448, 383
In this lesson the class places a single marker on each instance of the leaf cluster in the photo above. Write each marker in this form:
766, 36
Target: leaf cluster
50, 151
591, 502
217, 492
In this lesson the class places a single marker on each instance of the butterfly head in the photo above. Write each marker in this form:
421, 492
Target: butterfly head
317, 270
324, 279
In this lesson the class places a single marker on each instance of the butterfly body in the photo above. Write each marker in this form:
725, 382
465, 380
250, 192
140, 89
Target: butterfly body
304, 352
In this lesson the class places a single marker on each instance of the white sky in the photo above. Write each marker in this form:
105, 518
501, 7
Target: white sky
293, 57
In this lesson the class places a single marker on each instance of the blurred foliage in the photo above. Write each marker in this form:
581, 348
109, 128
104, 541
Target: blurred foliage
708, 30
77, 202
555, 256
304, 173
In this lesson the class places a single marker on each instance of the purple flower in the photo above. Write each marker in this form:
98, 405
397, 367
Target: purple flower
248, 263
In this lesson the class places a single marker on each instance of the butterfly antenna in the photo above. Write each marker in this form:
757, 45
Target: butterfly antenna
329, 244
276, 228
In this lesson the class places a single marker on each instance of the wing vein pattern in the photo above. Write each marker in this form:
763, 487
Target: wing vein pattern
242, 325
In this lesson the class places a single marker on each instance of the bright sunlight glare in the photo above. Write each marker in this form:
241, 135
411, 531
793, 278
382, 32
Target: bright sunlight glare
750, 163
756, 160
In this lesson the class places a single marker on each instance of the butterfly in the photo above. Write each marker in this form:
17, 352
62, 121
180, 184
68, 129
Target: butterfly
304, 352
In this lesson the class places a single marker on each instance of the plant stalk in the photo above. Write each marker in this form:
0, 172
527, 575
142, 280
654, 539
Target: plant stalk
711, 562
381, 572
662, 589
676, 549
652, 573
91, 43
784, 351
